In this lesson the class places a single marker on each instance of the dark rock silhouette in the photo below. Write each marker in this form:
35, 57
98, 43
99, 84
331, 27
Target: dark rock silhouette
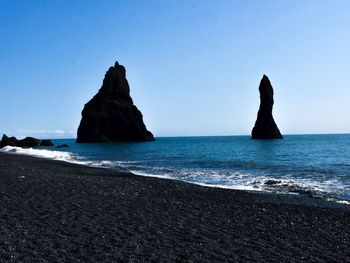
62, 146
265, 126
46, 143
111, 114
25, 143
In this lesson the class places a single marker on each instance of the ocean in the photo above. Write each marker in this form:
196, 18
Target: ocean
312, 165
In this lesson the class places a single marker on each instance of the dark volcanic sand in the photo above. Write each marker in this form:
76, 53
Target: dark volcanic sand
54, 211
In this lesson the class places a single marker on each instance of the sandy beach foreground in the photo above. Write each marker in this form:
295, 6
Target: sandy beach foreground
53, 211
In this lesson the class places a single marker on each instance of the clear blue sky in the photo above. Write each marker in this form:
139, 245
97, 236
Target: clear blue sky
193, 66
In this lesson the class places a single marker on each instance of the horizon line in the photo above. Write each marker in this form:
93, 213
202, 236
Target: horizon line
233, 135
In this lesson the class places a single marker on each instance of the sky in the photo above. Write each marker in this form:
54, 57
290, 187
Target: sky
193, 67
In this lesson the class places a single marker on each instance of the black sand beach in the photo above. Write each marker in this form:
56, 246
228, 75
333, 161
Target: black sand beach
59, 212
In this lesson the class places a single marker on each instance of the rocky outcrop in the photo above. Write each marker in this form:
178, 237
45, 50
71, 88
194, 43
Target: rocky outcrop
265, 126
46, 143
25, 143
62, 146
111, 114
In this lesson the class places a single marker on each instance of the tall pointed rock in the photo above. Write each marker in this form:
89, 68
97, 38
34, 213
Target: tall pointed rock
265, 126
111, 114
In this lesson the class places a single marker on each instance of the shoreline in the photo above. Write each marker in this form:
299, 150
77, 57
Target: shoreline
66, 158
54, 210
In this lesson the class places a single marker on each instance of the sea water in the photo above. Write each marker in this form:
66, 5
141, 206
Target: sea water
314, 165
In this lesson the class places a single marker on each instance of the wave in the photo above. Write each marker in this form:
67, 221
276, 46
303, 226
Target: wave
61, 156
47, 154
332, 190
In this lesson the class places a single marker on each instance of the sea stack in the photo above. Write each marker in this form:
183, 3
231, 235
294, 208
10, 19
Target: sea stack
111, 114
265, 126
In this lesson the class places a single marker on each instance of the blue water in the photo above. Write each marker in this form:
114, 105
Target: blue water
316, 165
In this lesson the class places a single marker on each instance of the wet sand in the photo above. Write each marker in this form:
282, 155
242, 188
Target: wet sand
53, 211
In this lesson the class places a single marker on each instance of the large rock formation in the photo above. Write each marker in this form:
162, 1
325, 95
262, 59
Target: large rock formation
26, 142
265, 126
111, 114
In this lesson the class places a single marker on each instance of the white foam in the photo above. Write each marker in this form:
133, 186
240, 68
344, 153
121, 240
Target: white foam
248, 182
232, 187
48, 154
343, 202
190, 180
59, 156
153, 175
